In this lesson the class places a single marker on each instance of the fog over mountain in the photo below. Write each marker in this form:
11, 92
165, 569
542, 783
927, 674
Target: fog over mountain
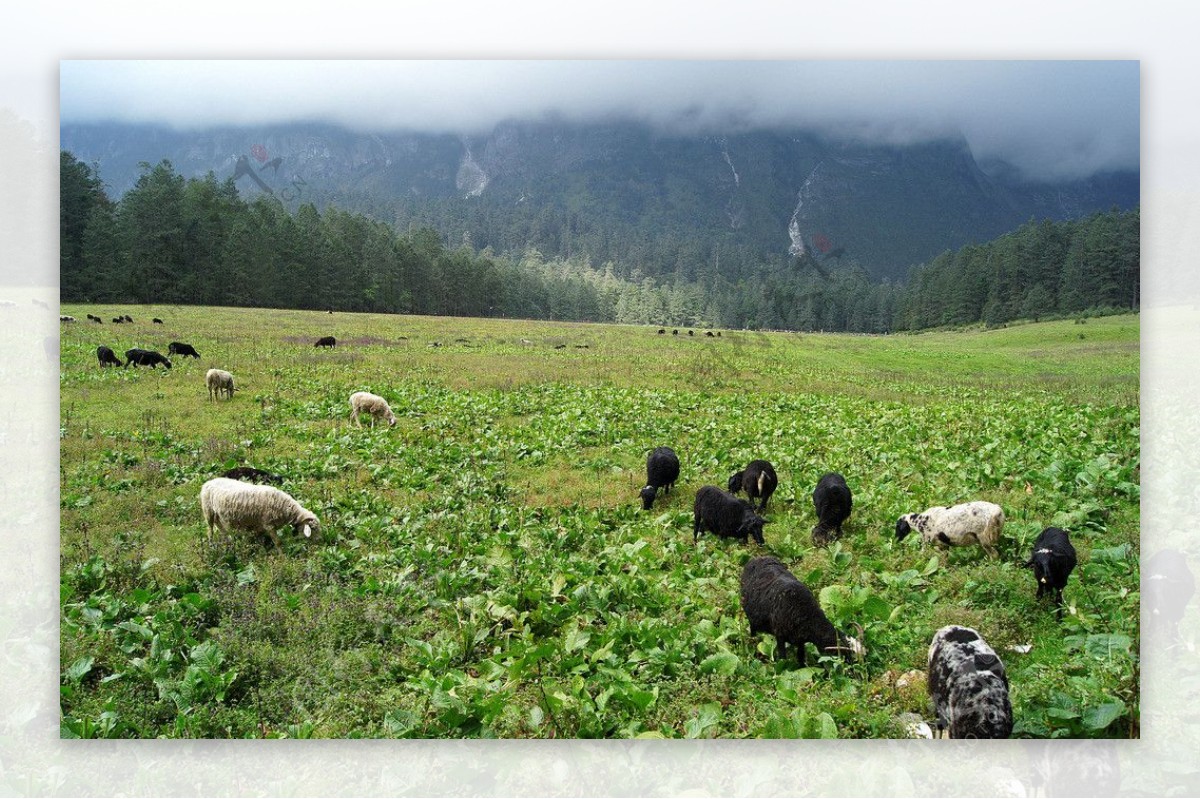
1051, 120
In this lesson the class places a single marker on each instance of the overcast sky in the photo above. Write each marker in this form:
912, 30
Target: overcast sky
1049, 118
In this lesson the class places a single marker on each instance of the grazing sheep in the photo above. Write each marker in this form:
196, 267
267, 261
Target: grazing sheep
833, 502
662, 470
326, 341
219, 382
759, 480
365, 402
968, 685
117, 320
776, 602
156, 321
1052, 561
140, 357
662, 332
726, 516
182, 350
96, 319
107, 357
708, 333
691, 332
252, 475
65, 318
675, 332
233, 504
962, 525
128, 318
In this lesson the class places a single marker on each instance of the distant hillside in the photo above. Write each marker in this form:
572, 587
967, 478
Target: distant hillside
681, 208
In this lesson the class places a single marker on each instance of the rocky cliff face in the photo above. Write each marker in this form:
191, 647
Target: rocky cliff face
770, 196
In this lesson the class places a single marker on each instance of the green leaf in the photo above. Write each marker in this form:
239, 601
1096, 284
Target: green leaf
77, 670
721, 663
876, 608
931, 566
1105, 645
1111, 553
576, 639
1098, 717
706, 716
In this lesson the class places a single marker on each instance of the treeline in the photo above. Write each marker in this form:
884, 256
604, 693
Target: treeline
196, 241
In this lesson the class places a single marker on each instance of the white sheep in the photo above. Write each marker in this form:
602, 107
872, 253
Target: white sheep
254, 508
219, 381
376, 406
962, 525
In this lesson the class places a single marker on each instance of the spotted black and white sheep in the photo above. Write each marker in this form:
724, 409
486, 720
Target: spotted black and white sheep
252, 475
833, 503
961, 525
232, 504
759, 481
775, 602
968, 685
1052, 561
219, 382
372, 404
182, 350
107, 357
725, 515
326, 341
66, 318
662, 470
140, 357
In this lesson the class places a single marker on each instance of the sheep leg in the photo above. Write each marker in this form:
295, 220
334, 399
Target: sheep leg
274, 537
800, 654
695, 529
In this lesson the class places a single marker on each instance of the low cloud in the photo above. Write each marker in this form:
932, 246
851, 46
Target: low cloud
1050, 119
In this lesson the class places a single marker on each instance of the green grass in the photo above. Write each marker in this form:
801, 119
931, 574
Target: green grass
485, 568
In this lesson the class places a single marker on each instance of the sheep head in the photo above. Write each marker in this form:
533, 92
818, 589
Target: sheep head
648, 494
735, 482
752, 527
902, 527
307, 525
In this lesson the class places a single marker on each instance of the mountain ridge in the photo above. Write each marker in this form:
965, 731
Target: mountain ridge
652, 202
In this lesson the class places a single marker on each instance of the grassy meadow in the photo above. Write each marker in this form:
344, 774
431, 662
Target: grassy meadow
485, 568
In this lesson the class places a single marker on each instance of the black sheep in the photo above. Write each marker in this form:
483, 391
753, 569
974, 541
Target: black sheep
107, 357
833, 503
326, 341
725, 515
250, 474
662, 470
140, 357
156, 321
759, 481
1052, 561
968, 685
776, 602
118, 320
182, 350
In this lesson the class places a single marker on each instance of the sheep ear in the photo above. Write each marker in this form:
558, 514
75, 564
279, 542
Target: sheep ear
307, 531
